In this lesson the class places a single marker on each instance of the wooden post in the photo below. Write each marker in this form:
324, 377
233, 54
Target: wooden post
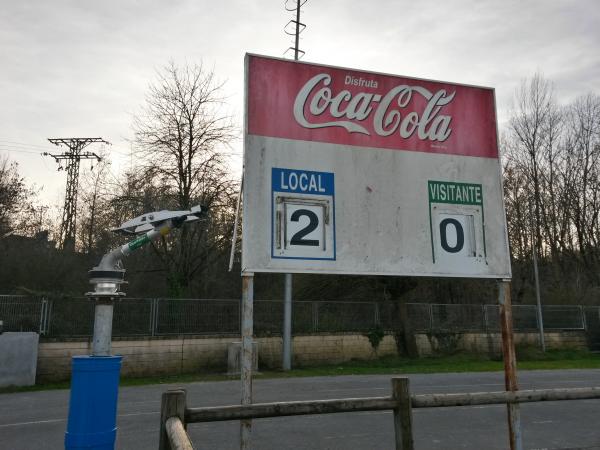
402, 414
510, 364
172, 405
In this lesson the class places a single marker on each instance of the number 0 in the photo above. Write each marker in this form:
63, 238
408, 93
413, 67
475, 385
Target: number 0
460, 235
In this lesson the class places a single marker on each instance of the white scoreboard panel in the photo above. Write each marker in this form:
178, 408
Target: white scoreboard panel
387, 175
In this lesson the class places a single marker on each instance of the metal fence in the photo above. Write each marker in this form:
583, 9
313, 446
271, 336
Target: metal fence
74, 317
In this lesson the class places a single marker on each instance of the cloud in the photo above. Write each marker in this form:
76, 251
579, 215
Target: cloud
80, 68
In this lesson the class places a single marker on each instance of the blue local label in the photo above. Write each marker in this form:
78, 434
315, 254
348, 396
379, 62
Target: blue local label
302, 181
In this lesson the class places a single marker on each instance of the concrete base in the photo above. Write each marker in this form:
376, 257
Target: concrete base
18, 359
234, 363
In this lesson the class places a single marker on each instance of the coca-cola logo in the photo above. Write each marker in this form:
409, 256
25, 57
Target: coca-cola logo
390, 113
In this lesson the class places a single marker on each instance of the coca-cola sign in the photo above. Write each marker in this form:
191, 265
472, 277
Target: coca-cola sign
317, 97
316, 103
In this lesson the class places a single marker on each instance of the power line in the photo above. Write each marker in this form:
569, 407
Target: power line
16, 150
118, 152
23, 144
29, 152
23, 147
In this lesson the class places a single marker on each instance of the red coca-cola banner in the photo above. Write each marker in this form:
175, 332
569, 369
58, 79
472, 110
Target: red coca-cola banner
292, 100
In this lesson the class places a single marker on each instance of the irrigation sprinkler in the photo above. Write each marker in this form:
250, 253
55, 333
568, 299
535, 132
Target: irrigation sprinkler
95, 378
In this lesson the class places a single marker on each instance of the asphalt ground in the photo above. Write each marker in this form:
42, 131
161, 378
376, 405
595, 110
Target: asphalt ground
37, 420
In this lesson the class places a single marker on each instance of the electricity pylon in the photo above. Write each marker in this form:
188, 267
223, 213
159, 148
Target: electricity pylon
72, 158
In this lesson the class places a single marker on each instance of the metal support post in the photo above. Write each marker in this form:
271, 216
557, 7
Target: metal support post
42, 316
154, 316
510, 364
247, 332
485, 319
103, 316
287, 323
539, 315
430, 317
45, 317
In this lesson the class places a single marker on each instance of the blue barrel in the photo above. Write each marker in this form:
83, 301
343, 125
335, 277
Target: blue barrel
93, 405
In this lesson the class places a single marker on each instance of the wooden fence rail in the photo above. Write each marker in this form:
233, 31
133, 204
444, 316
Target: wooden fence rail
401, 402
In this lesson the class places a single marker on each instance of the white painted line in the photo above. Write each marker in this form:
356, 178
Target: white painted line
38, 422
6, 425
140, 414
138, 402
348, 436
446, 386
354, 389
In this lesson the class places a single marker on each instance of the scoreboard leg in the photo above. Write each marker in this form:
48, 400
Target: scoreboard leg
510, 364
246, 360
287, 323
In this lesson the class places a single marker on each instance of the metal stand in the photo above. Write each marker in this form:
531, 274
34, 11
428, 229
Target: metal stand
287, 323
103, 316
95, 379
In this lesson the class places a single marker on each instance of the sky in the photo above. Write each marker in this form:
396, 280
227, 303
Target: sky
81, 68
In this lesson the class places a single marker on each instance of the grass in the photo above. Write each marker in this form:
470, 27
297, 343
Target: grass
528, 358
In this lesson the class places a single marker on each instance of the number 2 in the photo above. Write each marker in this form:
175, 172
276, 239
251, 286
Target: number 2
298, 237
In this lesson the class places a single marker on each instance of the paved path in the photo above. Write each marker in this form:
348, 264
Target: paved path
36, 421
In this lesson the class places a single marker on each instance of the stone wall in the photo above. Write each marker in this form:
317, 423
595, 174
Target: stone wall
170, 356
323, 349
491, 343
141, 357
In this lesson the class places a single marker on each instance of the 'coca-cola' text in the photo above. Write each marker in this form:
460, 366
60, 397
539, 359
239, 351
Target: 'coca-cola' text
390, 113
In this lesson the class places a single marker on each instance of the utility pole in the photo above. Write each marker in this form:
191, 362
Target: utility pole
72, 158
247, 328
287, 296
540, 317
294, 27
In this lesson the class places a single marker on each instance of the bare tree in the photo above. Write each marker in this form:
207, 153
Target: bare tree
583, 149
516, 199
535, 129
181, 133
181, 141
16, 201
552, 161
93, 212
